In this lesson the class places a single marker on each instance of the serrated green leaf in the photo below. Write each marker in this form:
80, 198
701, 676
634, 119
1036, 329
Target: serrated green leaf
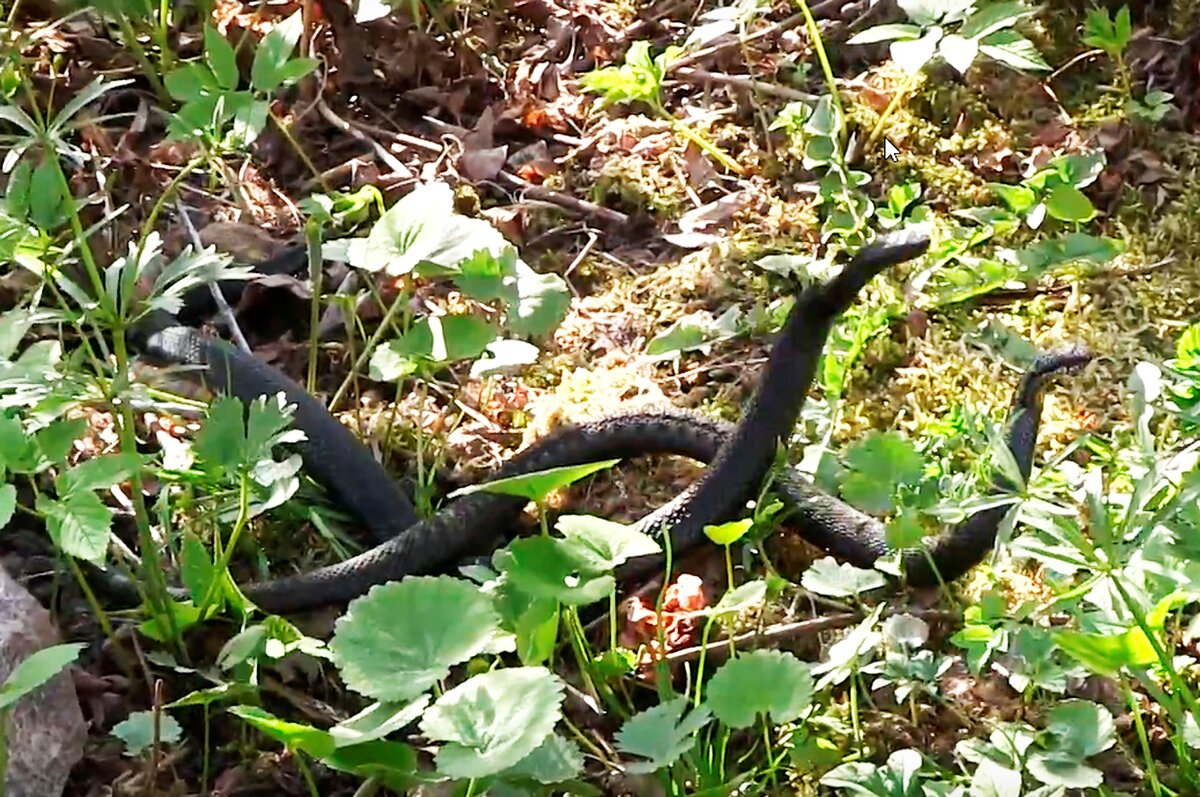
840, 580
762, 682
402, 637
98, 473
554, 761
377, 721
494, 720
993, 17
1012, 49
877, 465
37, 668
137, 731
78, 525
661, 734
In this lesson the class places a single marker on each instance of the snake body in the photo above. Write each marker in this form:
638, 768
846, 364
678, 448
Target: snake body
738, 457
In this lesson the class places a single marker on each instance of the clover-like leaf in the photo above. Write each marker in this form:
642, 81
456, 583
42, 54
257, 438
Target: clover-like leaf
494, 720
401, 638
766, 682
661, 734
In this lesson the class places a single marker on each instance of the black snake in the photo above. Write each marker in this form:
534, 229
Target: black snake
739, 458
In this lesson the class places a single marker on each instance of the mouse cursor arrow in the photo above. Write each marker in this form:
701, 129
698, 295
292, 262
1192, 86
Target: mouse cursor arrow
890, 151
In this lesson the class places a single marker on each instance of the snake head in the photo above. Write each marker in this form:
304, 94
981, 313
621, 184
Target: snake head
886, 250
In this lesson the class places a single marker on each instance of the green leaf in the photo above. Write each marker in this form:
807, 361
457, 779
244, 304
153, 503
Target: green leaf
993, 17
295, 69
1017, 198
98, 473
546, 567
494, 720
761, 682
137, 731
877, 465
730, 532
536, 486
608, 544
542, 303
274, 51
506, 357
912, 56
739, 599
884, 33
221, 59
1187, 351
45, 196
1012, 49
192, 83
8, 503
1067, 203
828, 577
196, 567
392, 764
1037, 258
637, 80
78, 525
555, 760
292, 735
408, 232
959, 51
403, 637
222, 440
215, 694
37, 668
929, 12
444, 339
661, 734
377, 721
1081, 727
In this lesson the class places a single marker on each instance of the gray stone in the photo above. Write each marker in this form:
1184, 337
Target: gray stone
46, 730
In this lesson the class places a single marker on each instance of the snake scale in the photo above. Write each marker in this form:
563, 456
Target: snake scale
738, 456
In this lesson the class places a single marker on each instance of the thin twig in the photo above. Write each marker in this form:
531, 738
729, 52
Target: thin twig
381, 151
784, 631
701, 76
607, 216
223, 307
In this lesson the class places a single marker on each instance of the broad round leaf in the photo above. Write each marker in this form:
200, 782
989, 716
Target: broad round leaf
760, 682
547, 567
492, 721
137, 731
556, 760
401, 638
912, 55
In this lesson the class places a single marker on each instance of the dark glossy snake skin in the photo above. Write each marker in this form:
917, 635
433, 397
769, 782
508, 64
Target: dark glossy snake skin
738, 456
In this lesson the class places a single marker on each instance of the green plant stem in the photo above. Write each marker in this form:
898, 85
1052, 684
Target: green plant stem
306, 773
909, 83
300, 153
389, 318
700, 141
139, 54
221, 572
312, 237
814, 34
4, 752
1143, 739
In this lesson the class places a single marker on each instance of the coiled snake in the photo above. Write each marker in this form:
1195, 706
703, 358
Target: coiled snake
738, 459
